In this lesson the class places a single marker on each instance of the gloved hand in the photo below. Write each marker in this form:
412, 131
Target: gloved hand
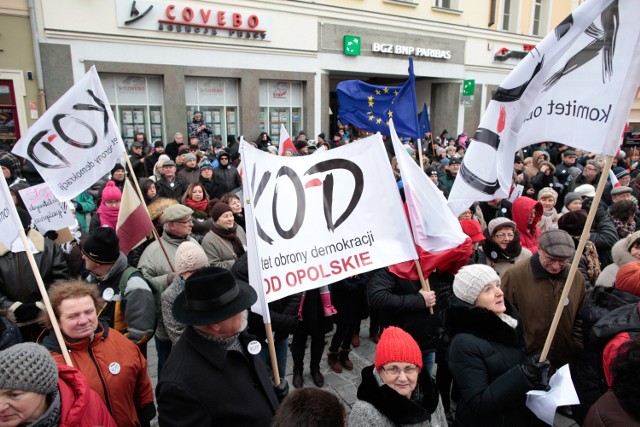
281, 389
27, 311
537, 373
51, 234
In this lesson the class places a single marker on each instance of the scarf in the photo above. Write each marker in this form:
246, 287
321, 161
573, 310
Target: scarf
495, 253
624, 228
51, 417
399, 409
108, 215
201, 205
593, 262
231, 236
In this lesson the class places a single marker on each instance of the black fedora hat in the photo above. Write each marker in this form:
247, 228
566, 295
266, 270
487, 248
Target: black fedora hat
210, 296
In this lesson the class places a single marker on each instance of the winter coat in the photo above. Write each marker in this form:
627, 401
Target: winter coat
603, 233
608, 412
79, 405
220, 251
189, 175
485, 358
380, 406
84, 205
535, 294
531, 170
203, 385
529, 234
227, 178
349, 297
541, 180
621, 256
398, 303
447, 179
9, 332
139, 165
17, 282
500, 259
203, 135
132, 311
175, 191
503, 210
155, 269
212, 187
115, 369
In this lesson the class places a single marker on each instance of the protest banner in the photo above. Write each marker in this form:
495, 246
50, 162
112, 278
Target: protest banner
9, 224
76, 141
46, 211
319, 219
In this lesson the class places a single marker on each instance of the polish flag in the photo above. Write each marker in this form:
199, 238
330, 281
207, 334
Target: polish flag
440, 242
134, 223
614, 179
285, 142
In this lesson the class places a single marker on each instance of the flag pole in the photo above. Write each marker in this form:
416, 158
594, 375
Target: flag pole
153, 230
420, 154
424, 282
272, 354
576, 259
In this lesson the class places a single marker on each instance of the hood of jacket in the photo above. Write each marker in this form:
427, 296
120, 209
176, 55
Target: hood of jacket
494, 252
463, 318
536, 155
520, 211
621, 254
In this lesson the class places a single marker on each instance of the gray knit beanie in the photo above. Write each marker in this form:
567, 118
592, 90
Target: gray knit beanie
28, 367
190, 257
471, 280
497, 223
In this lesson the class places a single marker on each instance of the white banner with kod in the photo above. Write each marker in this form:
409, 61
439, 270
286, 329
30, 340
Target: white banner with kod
322, 218
46, 211
76, 141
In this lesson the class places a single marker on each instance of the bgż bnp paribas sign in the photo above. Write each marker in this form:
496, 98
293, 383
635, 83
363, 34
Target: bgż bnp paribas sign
417, 51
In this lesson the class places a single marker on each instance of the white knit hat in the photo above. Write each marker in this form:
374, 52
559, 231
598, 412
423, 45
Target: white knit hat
190, 257
471, 280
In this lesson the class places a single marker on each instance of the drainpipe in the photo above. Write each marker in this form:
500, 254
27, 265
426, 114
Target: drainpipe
36, 53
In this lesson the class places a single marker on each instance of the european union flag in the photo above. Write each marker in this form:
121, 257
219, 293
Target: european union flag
370, 107
425, 126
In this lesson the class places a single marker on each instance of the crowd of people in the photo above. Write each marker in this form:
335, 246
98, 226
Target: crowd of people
463, 353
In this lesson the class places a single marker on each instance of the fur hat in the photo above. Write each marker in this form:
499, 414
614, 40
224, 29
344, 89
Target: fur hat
552, 167
632, 239
471, 280
28, 367
218, 208
111, 192
396, 345
497, 223
102, 246
571, 197
158, 206
548, 192
573, 222
628, 278
190, 257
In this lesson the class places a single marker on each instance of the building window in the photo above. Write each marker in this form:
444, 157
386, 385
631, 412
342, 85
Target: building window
217, 99
281, 103
9, 126
136, 102
509, 15
444, 4
540, 17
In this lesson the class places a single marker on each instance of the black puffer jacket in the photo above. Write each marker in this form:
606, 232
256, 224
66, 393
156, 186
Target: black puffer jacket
485, 358
398, 303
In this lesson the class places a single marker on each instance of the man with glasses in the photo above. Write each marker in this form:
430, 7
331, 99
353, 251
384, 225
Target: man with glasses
176, 224
569, 160
535, 285
226, 175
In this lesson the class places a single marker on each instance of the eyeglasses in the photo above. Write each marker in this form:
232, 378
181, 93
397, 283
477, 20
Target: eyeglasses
591, 169
186, 221
505, 235
552, 260
395, 370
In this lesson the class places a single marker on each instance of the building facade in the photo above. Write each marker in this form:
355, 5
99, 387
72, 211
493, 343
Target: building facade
251, 66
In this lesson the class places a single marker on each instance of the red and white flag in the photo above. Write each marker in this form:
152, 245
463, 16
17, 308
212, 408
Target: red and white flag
134, 224
285, 142
575, 87
614, 179
440, 242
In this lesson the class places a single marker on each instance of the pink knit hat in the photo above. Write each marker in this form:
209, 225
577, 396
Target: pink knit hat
111, 192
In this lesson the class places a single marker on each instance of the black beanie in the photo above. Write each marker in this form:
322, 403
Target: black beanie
102, 246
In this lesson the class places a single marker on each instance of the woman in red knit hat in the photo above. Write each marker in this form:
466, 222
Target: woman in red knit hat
396, 391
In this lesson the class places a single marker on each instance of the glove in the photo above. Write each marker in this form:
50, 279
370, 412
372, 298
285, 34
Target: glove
27, 311
281, 390
537, 373
51, 235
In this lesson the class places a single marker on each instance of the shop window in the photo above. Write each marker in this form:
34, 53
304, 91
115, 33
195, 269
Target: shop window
9, 126
217, 99
281, 103
136, 102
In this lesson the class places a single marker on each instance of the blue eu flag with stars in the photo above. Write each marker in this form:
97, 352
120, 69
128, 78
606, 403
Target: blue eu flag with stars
370, 107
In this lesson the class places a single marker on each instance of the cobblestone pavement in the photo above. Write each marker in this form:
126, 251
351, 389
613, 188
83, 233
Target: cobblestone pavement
343, 385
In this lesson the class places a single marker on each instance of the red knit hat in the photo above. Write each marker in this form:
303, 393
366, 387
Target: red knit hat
111, 192
396, 345
473, 229
628, 278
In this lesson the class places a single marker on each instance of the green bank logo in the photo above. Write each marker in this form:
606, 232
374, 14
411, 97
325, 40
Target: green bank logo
352, 45
469, 87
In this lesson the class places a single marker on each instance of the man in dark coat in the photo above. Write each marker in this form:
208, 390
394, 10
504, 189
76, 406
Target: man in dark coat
226, 176
171, 185
214, 375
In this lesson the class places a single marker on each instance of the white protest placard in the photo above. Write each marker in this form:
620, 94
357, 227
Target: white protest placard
9, 222
319, 219
561, 393
76, 141
517, 192
46, 211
